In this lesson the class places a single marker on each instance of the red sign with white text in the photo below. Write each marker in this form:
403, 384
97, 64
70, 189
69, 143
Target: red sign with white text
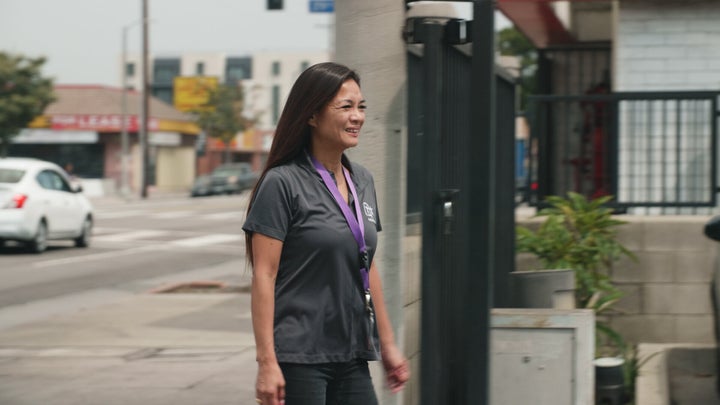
100, 122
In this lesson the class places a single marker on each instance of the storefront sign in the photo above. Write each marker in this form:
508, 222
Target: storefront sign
55, 136
111, 123
99, 122
192, 92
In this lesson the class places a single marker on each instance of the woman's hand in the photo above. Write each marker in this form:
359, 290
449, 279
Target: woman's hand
397, 371
270, 385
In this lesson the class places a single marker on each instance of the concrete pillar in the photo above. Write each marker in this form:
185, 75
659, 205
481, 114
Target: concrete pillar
368, 39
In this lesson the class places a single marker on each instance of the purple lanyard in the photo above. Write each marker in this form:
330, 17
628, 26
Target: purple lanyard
355, 222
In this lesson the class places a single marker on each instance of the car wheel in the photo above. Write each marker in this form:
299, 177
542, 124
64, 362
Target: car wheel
84, 239
39, 242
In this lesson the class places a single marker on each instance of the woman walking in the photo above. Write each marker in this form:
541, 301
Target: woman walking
311, 232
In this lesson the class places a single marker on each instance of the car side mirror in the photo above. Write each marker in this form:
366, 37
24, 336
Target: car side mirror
78, 189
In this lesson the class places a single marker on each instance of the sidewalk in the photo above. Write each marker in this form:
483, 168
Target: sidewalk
180, 349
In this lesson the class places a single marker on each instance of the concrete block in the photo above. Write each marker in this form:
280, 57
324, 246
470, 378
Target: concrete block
695, 328
695, 267
676, 299
691, 299
657, 298
631, 302
676, 234
632, 235
659, 237
652, 267
645, 328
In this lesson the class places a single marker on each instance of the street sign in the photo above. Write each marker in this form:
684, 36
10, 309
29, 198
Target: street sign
322, 6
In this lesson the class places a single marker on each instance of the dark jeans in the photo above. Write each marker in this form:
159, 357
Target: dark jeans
328, 384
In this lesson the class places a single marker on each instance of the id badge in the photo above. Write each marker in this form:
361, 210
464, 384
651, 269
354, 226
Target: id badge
368, 306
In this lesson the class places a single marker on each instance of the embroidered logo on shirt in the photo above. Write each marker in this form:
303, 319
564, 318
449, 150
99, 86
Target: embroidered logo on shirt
369, 212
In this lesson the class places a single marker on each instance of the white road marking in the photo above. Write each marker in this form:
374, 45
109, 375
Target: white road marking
91, 257
221, 216
132, 235
173, 214
207, 240
118, 214
102, 230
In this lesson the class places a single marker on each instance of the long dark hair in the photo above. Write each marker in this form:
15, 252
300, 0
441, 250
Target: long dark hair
312, 91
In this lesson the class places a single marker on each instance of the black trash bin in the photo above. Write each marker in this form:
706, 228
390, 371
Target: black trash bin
609, 381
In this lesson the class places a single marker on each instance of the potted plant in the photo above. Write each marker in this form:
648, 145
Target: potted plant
581, 235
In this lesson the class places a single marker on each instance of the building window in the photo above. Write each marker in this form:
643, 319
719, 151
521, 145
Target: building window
200, 69
276, 68
163, 93
304, 65
275, 104
238, 68
236, 73
130, 69
165, 70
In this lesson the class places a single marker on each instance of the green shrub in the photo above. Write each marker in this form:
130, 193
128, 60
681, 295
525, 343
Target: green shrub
578, 234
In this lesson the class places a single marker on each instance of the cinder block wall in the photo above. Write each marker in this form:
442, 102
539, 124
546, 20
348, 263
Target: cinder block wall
667, 45
667, 291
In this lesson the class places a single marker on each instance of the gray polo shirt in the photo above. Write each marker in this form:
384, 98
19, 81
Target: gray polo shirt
320, 314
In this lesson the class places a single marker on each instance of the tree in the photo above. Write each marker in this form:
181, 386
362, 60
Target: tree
24, 95
511, 42
222, 116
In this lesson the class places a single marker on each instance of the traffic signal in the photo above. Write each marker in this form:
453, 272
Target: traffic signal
274, 4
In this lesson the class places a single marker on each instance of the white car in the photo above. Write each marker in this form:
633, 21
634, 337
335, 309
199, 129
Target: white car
38, 203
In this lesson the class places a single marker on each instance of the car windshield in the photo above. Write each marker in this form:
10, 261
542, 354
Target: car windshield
11, 175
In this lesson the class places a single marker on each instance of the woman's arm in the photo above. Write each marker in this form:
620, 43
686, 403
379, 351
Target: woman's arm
270, 385
396, 366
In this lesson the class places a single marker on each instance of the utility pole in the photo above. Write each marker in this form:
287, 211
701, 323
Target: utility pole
124, 158
145, 104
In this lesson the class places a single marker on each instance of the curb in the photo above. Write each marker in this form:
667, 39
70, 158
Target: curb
201, 286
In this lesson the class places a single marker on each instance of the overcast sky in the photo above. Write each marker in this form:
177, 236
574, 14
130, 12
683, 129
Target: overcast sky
82, 39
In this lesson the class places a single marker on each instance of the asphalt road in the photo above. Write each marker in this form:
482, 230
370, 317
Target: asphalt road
137, 246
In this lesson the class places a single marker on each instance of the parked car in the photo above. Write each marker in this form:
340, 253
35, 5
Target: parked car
229, 178
38, 204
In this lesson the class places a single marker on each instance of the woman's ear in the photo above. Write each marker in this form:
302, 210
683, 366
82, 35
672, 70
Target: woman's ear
312, 121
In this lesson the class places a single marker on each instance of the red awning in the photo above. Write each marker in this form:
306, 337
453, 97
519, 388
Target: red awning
537, 21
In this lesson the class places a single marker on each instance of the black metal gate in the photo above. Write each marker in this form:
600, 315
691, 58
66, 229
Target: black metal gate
461, 186
647, 149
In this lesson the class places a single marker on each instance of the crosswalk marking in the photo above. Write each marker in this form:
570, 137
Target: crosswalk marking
189, 214
132, 235
221, 216
207, 240
173, 214
118, 214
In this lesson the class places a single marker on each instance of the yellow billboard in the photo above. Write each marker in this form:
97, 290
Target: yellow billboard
192, 92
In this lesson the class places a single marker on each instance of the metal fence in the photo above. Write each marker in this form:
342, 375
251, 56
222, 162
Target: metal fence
461, 188
647, 149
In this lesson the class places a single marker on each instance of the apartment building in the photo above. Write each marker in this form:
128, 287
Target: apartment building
266, 78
